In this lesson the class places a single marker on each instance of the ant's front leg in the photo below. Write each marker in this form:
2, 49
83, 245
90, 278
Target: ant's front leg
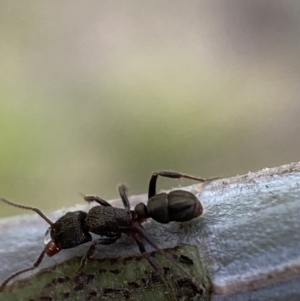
92, 248
172, 175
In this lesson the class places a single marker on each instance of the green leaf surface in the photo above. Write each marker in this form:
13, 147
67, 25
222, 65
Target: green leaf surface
130, 278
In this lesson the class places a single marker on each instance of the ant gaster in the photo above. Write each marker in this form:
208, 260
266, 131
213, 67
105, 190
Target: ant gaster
74, 228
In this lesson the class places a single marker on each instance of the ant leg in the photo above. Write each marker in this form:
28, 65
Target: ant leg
145, 254
35, 265
97, 199
172, 175
92, 248
123, 195
143, 233
100, 201
152, 262
39, 212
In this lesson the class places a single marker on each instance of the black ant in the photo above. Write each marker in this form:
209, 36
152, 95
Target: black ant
74, 228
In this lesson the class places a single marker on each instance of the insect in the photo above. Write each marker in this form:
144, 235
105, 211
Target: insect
74, 228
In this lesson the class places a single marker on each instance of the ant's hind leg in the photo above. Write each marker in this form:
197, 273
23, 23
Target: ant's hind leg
144, 234
172, 175
153, 263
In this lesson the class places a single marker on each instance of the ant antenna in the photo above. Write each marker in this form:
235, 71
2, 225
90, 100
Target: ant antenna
39, 212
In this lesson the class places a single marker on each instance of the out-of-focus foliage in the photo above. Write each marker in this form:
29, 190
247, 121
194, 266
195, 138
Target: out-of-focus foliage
97, 93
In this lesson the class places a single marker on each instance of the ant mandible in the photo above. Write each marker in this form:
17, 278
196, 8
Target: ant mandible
74, 228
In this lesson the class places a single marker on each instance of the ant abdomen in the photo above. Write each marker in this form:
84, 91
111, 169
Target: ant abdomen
177, 206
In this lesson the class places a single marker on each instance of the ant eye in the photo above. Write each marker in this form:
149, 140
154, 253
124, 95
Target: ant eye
47, 237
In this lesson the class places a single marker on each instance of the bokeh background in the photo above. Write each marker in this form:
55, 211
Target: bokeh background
97, 93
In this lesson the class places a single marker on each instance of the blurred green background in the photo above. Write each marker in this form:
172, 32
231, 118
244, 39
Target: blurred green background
97, 93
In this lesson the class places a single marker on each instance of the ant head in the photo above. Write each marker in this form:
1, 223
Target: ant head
51, 247
67, 232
